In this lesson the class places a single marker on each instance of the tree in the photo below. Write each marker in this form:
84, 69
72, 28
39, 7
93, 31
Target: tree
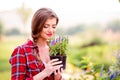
13, 31
75, 29
24, 14
114, 25
1, 28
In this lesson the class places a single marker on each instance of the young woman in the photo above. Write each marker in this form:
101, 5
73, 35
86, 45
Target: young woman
31, 60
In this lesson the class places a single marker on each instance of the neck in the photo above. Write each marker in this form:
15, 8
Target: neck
42, 42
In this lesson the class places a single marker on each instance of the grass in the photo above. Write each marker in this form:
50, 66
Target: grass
7, 45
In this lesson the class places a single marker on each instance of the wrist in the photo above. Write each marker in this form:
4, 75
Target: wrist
40, 76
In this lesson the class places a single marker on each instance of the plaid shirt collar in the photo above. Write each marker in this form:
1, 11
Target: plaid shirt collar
30, 44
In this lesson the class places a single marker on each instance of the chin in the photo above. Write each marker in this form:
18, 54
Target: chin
48, 38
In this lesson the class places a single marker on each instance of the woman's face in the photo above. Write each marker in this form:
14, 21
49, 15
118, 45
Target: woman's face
49, 28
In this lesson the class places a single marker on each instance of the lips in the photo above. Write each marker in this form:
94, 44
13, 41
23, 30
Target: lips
49, 35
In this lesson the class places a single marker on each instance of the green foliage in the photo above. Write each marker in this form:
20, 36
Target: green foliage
75, 29
58, 46
114, 25
84, 63
5, 50
1, 28
93, 42
6, 47
13, 31
112, 72
97, 53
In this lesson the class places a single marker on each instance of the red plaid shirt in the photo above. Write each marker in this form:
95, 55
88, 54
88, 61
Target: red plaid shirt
24, 65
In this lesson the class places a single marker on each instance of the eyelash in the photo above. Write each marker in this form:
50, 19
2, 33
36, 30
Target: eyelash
47, 27
54, 27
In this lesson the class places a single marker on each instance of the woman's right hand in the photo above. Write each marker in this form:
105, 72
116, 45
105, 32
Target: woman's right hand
52, 66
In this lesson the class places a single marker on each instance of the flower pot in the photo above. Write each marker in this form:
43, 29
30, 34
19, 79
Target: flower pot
61, 58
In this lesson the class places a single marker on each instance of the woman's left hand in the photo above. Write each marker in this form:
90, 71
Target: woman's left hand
58, 71
58, 74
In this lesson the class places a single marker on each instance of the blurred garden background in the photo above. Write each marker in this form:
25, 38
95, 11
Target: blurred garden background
93, 28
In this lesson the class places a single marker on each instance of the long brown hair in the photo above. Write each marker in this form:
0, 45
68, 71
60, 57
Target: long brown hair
39, 19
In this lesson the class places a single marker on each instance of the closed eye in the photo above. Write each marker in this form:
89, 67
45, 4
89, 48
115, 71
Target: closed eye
45, 27
54, 27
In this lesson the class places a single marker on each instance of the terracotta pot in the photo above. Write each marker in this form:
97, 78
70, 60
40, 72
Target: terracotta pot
61, 58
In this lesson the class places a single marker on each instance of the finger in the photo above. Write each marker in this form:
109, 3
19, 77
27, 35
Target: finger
58, 72
57, 67
56, 63
61, 69
53, 60
55, 72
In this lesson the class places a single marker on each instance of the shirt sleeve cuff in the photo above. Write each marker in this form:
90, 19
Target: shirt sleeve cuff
31, 78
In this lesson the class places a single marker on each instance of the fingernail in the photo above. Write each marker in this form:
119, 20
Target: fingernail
57, 59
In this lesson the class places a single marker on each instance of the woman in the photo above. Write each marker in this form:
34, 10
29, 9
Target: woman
31, 60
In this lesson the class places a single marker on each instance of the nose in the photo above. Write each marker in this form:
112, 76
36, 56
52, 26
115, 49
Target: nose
50, 29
